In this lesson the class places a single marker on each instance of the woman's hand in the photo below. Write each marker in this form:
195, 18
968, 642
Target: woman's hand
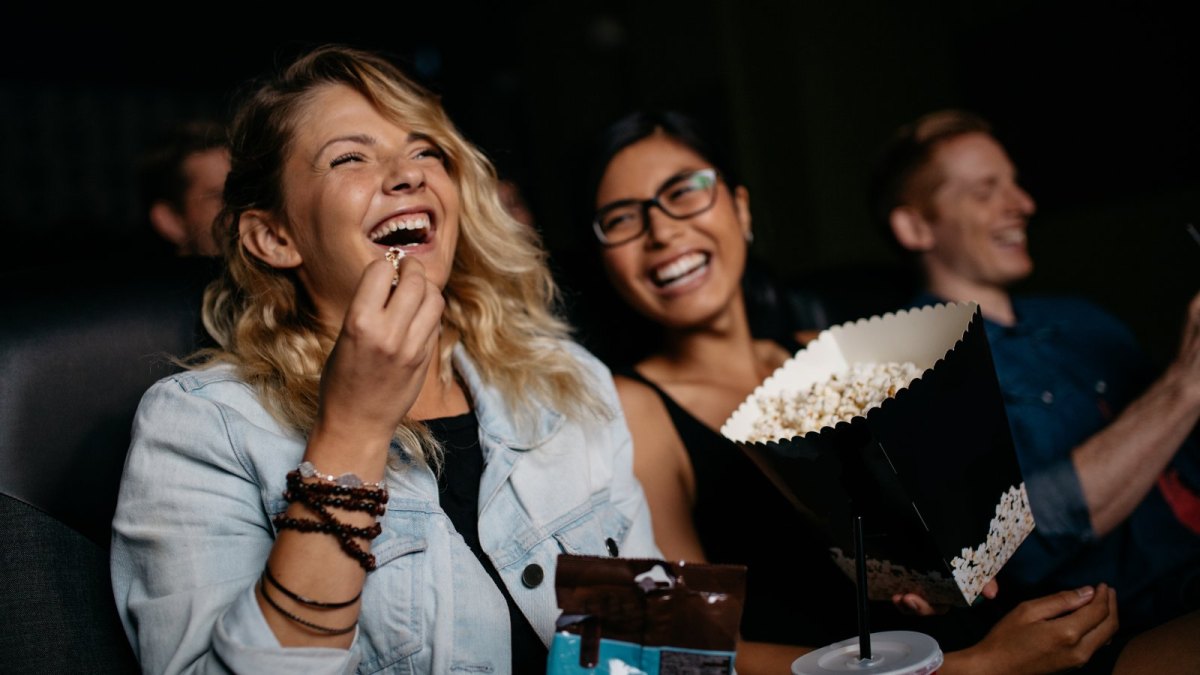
1044, 635
380, 360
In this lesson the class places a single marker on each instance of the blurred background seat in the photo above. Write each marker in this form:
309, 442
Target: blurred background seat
76, 354
778, 309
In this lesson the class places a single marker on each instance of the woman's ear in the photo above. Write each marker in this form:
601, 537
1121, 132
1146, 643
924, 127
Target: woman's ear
741, 204
266, 239
911, 229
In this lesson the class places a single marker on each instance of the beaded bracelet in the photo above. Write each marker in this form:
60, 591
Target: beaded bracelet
295, 479
333, 525
335, 528
296, 483
308, 498
347, 492
343, 533
303, 600
350, 480
300, 620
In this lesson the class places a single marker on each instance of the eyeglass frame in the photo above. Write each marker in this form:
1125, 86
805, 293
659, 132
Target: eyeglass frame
646, 204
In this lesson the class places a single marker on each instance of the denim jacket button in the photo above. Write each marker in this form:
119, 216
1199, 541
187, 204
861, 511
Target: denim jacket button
532, 576
612, 547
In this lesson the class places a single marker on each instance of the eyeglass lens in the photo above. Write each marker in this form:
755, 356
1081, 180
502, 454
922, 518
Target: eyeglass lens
684, 196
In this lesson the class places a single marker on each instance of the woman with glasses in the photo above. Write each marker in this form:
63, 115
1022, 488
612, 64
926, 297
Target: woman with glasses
378, 467
674, 224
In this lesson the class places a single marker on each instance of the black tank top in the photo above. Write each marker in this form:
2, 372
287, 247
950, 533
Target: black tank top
794, 593
458, 494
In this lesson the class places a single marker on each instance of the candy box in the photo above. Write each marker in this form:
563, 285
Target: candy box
627, 616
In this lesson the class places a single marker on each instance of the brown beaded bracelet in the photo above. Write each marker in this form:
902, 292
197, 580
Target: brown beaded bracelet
335, 528
295, 481
262, 589
324, 491
339, 527
308, 470
303, 600
308, 498
343, 533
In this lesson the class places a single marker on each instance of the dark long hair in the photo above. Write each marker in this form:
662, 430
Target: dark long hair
642, 124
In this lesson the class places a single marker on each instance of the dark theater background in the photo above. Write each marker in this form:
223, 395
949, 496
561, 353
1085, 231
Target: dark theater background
1097, 105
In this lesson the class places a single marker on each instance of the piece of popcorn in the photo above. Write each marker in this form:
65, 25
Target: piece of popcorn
394, 255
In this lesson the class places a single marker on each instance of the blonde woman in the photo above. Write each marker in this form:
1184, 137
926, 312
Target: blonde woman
378, 466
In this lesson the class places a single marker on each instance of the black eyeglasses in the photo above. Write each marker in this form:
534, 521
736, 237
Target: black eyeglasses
683, 196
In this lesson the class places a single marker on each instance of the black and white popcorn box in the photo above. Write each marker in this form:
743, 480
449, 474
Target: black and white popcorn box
931, 469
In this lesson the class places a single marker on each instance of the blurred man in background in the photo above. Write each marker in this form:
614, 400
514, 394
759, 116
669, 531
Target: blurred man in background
1104, 449
182, 179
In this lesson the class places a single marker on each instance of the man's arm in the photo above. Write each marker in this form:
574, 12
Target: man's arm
1118, 466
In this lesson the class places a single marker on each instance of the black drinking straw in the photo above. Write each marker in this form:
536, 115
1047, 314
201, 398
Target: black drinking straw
860, 564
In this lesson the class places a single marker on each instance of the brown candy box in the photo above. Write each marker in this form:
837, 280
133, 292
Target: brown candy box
651, 615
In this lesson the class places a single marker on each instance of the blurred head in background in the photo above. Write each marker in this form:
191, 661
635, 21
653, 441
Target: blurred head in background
182, 177
946, 191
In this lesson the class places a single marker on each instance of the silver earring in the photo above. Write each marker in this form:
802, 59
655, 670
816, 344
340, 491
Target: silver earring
749, 236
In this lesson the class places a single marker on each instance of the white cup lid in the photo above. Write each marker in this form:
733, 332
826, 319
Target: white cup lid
897, 652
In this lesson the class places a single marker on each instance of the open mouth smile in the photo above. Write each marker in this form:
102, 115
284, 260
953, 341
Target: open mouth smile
1010, 237
680, 270
403, 230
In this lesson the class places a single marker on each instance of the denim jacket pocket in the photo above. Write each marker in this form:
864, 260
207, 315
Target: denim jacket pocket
396, 593
589, 534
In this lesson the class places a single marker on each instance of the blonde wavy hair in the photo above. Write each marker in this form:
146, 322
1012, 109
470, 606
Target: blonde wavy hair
500, 297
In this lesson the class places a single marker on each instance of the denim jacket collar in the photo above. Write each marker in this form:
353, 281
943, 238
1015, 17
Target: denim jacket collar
496, 420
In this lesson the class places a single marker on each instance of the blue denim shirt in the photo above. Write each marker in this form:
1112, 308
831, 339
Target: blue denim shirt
206, 472
1066, 369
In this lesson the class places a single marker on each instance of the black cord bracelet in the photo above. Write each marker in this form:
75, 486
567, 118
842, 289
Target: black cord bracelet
303, 600
303, 622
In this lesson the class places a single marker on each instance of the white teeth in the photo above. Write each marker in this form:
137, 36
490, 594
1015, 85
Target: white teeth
680, 267
418, 221
1010, 236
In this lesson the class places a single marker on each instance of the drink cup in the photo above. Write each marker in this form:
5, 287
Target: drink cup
897, 652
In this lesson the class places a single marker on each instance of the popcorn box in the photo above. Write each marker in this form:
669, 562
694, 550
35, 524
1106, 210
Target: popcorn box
932, 470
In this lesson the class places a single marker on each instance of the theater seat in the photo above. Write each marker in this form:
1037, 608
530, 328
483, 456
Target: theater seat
74, 362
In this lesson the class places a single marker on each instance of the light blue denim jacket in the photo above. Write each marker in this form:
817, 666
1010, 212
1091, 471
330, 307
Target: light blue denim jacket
206, 471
